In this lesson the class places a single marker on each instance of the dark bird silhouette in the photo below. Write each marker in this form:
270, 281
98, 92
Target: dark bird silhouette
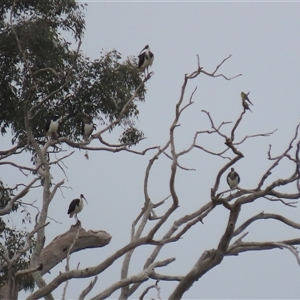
146, 59
246, 105
233, 179
76, 206
244, 96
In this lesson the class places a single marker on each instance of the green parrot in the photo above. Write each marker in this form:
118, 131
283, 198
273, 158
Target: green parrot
246, 105
244, 96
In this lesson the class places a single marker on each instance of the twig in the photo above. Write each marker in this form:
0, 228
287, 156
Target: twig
67, 267
220, 75
88, 289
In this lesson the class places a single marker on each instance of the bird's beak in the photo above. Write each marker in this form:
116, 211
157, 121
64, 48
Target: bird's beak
85, 199
143, 49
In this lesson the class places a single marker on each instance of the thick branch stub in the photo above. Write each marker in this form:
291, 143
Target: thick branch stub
57, 250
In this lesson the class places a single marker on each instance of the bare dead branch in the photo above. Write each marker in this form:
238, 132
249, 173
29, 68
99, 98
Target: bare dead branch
57, 185
220, 75
21, 168
235, 126
265, 216
83, 146
21, 194
208, 259
27, 271
291, 248
67, 267
168, 237
161, 202
6, 153
189, 224
178, 165
259, 246
147, 172
255, 135
146, 291
134, 237
141, 277
220, 154
298, 165
213, 125
290, 204
161, 277
88, 289
190, 102
277, 159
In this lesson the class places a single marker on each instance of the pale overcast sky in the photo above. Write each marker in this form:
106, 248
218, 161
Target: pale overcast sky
264, 41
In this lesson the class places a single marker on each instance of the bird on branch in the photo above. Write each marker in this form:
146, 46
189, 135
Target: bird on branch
244, 97
52, 126
146, 58
233, 179
76, 206
246, 105
87, 127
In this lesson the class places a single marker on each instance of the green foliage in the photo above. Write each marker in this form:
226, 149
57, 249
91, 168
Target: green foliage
15, 240
43, 74
5, 196
131, 136
37, 63
32, 42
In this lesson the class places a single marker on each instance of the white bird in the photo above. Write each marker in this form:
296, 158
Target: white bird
76, 206
146, 59
87, 127
233, 179
52, 125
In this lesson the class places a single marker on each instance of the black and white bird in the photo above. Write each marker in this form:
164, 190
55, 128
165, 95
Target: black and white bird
87, 127
52, 125
76, 206
233, 179
146, 59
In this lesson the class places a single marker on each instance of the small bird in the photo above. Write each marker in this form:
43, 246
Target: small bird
76, 206
146, 59
52, 125
244, 97
233, 179
87, 127
246, 105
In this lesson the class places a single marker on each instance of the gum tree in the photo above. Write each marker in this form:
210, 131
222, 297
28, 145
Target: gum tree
44, 74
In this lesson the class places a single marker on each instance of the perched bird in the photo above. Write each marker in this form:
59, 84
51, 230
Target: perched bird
87, 127
246, 105
233, 179
244, 97
52, 125
145, 59
76, 206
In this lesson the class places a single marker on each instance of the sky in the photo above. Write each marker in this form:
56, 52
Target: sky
263, 39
